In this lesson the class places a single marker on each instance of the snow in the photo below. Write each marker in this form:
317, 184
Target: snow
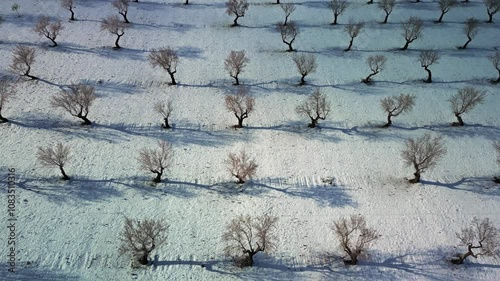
70, 230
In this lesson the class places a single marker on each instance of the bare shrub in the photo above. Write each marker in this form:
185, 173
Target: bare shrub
422, 153
387, 6
165, 109
481, 238
445, 6
24, 57
140, 238
288, 34
57, 156
495, 60
51, 30
288, 8
122, 7
167, 59
76, 100
492, 7
464, 101
337, 7
5, 95
355, 238
470, 29
428, 58
353, 29
396, 105
114, 26
234, 64
241, 166
69, 5
316, 107
238, 8
156, 161
240, 104
376, 64
245, 236
412, 29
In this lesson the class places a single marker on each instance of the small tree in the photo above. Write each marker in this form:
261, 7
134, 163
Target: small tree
412, 29
240, 104
316, 107
422, 153
376, 63
396, 105
445, 6
338, 7
235, 63
45, 27
140, 238
15, 8
59, 156
288, 8
122, 7
492, 7
355, 238
114, 26
387, 6
69, 5
241, 166
306, 64
481, 238
76, 100
156, 161
238, 8
167, 59
353, 29
464, 101
470, 29
5, 95
288, 33
495, 60
24, 57
427, 58
165, 109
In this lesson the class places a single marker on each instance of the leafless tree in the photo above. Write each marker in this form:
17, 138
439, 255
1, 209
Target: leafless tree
353, 29
495, 60
167, 59
114, 26
427, 58
245, 236
422, 153
376, 64
464, 101
492, 7
76, 100
412, 29
470, 29
306, 64
288, 8
165, 109
156, 161
445, 6
241, 166
122, 7
240, 104
15, 8
140, 238
288, 33
49, 29
396, 105
387, 6
69, 5
235, 63
5, 95
238, 8
337, 7
316, 107
57, 156
24, 57
481, 238
355, 237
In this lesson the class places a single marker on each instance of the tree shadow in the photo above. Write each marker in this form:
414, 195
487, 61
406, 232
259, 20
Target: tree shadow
212, 264
479, 185
26, 271
300, 128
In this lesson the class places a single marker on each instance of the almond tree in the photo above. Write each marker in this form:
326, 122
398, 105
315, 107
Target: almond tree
495, 60
470, 30
57, 156
122, 7
241, 166
240, 104
376, 63
316, 107
387, 6
238, 8
114, 26
156, 161
464, 101
396, 105
337, 7
288, 33
445, 6
69, 5
353, 29
235, 63
481, 238
306, 64
412, 29
45, 27
492, 7
167, 59
165, 109
24, 57
76, 100
427, 58
422, 153
288, 8
5, 95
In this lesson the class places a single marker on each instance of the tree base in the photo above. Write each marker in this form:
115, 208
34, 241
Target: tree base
426, 81
457, 260
456, 124
385, 126
367, 81
413, 181
65, 178
350, 262
496, 180
166, 127
117, 48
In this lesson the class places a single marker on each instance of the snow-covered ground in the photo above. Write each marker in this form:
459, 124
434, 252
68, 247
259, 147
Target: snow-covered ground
70, 230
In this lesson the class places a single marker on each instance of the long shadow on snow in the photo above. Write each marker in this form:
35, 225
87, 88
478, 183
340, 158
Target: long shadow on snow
210, 265
469, 130
25, 272
300, 128
478, 185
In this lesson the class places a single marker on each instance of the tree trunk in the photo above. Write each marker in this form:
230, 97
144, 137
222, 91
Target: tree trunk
302, 80
498, 79
429, 75
125, 17
235, 21
286, 20
441, 17
490, 17
406, 45
240, 122
460, 258
367, 80
386, 17
240, 180
290, 49
157, 179
166, 125
369, 2
144, 259
3, 119
172, 78
236, 80
350, 45
313, 123
64, 176
187, 2
416, 179
72, 14
85, 120
389, 121
54, 43
335, 16
460, 121
466, 43
116, 42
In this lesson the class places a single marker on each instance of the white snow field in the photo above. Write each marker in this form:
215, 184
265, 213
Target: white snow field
70, 230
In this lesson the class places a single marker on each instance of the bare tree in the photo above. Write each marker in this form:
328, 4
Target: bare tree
387, 6
338, 7
114, 26
15, 8
288, 33
238, 8
288, 8
57, 156
241, 166
167, 59
495, 60
69, 5
156, 161
235, 63
355, 237
51, 30
470, 29
412, 29
496, 145
245, 236
316, 107
186, 3
140, 238
165, 109
240, 104
122, 7
481, 238
492, 7
445, 6
376, 64
396, 105
76, 100
5, 95
464, 101
306, 64
353, 29
24, 57
422, 153
427, 58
